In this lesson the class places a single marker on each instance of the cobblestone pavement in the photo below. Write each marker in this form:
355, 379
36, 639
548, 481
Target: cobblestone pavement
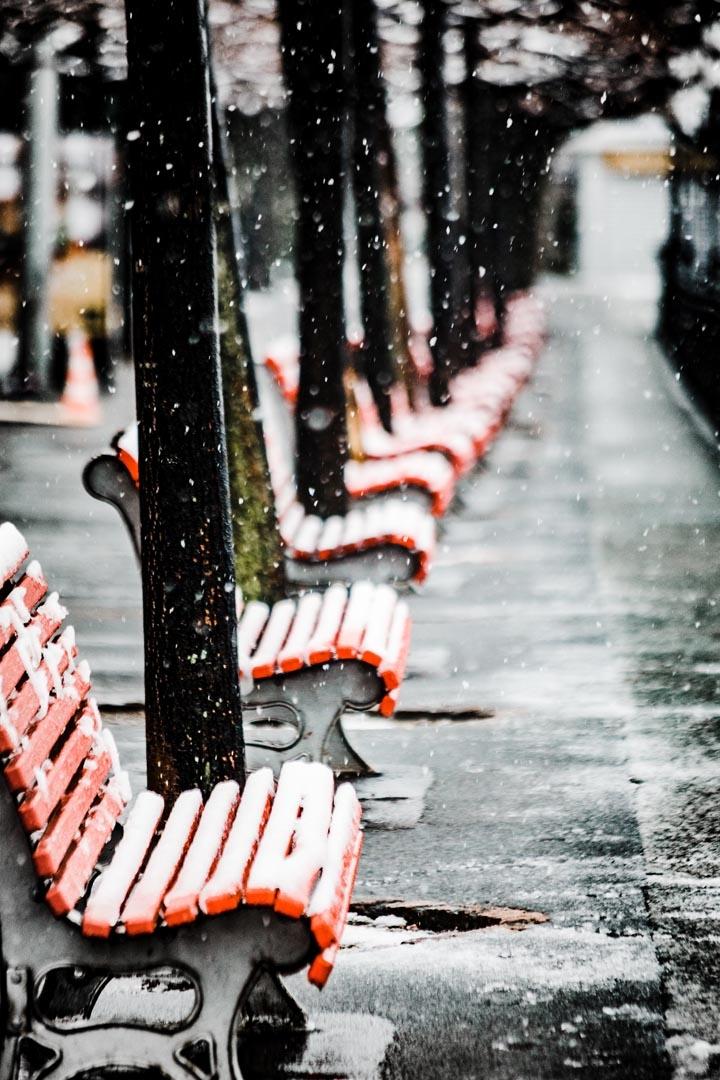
563, 693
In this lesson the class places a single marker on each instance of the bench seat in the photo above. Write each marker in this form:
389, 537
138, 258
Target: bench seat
366, 622
291, 847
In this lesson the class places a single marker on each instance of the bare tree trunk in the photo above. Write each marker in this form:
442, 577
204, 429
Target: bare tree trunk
259, 567
312, 54
367, 98
436, 195
193, 714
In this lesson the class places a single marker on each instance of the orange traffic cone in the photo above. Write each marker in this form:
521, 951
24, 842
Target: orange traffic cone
81, 397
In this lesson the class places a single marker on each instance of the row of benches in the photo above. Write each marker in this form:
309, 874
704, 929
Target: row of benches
255, 880
385, 539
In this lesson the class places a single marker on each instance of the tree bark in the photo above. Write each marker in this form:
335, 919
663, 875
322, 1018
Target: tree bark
395, 253
367, 100
193, 715
312, 56
259, 566
436, 195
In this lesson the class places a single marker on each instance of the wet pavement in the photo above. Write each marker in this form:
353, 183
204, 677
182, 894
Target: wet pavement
562, 694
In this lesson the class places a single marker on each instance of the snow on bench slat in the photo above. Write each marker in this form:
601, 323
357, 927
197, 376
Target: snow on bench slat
354, 531
224, 890
392, 666
330, 537
290, 522
25, 655
292, 655
181, 902
427, 470
13, 551
33, 694
374, 645
356, 618
113, 885
291, 851
264, 659
325, 908
36, 807
142, 909
77, 869
321, 647
36, 747
16, 609
58, 836
306, 538
253, 620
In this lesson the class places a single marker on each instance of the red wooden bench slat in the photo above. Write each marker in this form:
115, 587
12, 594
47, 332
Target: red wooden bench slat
254, 616
264, 660
355, 619
63, 826
114, 883
181, 902
20, 657
392, 666
36, 747
290, 854
72, 879
36, 807
293, 653
343, 852
307, 536
24, 707
24, 597
321, 647
374, 644
330, 537
142, 909
226, 885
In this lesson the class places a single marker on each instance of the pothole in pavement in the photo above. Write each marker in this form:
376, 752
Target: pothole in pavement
441, 918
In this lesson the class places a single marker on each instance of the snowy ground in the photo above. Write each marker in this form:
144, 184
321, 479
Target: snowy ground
572, 621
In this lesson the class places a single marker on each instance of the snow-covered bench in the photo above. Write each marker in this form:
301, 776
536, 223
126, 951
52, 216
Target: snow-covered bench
305, 661
253, 881
481, 396
422, 477
391, 541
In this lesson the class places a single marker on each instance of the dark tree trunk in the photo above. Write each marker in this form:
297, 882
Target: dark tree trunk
194, 730
484, 127
436, 195
518, 191
312, 55
259, 567
367, 100
476, 187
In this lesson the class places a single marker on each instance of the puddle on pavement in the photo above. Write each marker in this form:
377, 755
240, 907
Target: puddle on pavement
442, 918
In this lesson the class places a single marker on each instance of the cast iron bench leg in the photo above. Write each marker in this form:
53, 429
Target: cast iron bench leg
318, 696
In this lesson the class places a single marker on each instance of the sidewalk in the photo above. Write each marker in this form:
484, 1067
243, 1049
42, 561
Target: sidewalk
563, 692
